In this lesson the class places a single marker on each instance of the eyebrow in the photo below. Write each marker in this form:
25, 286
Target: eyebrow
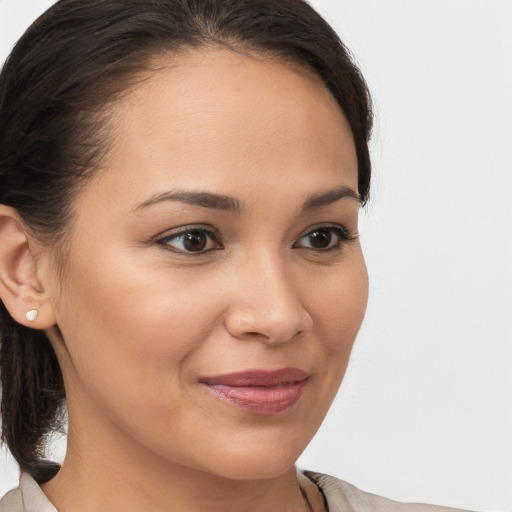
230, 204
318, 201
203, 199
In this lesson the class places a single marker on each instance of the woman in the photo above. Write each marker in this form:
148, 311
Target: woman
180, 183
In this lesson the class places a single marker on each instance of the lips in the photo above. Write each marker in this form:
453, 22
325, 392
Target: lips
260, 392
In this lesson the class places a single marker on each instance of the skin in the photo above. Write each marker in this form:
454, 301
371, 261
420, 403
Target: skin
140, 321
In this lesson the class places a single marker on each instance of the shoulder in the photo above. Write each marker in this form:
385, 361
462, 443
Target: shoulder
28, 497
344, 497
12, 502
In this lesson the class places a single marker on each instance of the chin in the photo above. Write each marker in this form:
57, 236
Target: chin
261, 460
255, 468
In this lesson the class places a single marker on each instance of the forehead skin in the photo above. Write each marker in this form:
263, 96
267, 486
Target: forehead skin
240, 119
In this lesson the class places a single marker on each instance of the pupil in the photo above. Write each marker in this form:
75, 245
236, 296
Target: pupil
320, 239
195, 241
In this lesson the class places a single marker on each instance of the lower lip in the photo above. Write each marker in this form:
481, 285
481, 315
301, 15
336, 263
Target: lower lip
262, 400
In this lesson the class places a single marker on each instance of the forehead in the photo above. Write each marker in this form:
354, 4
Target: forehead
217, 116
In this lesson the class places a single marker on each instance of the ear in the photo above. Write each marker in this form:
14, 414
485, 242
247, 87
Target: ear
21, 288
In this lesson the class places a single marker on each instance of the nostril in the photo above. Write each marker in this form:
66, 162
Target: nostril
276, 325
270, 338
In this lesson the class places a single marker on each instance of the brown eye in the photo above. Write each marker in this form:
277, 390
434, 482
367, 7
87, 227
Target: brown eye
192, 241
322, 239
195, 241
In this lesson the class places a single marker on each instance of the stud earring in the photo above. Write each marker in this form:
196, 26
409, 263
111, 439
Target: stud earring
31, 315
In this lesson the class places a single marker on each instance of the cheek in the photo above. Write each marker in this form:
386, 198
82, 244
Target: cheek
128, 331
339, 311
339, 306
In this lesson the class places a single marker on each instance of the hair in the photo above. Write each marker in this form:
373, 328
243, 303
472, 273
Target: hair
56, 88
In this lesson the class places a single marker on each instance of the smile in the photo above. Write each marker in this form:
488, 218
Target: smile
260, 392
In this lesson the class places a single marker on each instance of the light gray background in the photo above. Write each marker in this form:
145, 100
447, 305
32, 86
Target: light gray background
425, 412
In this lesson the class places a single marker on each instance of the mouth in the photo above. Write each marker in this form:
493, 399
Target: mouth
262, 392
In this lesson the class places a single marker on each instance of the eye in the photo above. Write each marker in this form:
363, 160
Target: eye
323, 238
192, 240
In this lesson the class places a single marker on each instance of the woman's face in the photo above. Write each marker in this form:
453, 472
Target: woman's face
214, 281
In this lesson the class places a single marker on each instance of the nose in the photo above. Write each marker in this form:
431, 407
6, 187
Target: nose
266, 305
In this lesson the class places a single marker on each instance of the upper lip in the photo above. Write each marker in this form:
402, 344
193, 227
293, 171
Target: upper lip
264, 378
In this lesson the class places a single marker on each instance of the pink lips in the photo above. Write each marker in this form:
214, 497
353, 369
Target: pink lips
259, 391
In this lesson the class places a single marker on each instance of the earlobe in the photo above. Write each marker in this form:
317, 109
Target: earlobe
21, 291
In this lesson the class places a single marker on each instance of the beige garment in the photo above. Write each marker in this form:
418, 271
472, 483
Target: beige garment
344, 497
340, 497
28, 497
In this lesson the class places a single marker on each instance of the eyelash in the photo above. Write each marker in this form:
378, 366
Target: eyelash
341, 233
210, 233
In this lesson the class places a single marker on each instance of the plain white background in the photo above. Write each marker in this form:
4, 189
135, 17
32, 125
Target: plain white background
425, 411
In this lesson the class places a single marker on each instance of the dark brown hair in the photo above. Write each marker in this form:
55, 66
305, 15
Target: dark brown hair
55, 90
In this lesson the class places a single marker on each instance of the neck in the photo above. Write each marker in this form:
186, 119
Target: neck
132, 479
